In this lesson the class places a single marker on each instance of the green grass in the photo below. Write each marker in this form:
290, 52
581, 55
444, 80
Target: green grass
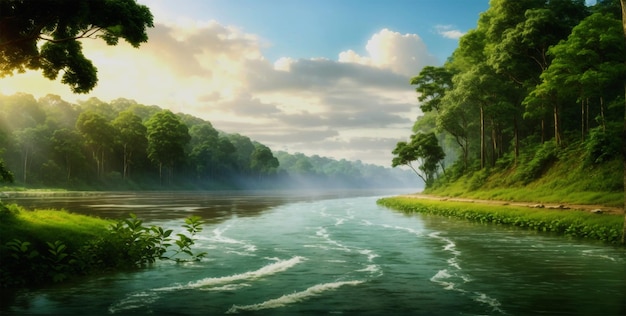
580, 224
41, 226
568, 180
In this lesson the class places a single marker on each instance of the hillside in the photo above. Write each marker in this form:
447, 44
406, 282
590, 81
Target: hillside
521, 113
562, 177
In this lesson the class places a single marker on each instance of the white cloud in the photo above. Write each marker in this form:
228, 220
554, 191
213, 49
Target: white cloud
403, 54
448, 31
355, 107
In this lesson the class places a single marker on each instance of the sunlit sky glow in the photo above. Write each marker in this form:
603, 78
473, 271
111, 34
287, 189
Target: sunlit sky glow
326, 77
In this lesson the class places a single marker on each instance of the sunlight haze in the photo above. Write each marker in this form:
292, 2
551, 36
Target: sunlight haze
319, 77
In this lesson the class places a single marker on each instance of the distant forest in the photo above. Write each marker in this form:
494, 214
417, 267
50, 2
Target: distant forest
535, 78
124, 145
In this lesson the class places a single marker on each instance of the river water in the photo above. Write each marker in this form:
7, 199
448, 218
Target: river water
340, 253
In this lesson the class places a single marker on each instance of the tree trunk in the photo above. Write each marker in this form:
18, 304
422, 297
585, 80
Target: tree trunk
543, 130
516, 136
582, 119
602, 114
25, 166
482, 137
557, 134
494, 143
623, 3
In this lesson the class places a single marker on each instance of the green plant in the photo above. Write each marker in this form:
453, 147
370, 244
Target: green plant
535, 163
606, 228
135, 244
603, 144
193, 225
59, 261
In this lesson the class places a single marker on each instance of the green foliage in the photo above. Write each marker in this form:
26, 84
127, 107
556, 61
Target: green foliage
533, 78
478, 179
5, 174
607, 228
193, 225
423, 148
59, 25
536, 161
604, 144
32, 258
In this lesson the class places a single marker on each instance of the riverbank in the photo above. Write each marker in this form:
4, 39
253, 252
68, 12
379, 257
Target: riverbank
605, 225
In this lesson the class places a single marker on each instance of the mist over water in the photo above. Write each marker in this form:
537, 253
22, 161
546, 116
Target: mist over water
273, 253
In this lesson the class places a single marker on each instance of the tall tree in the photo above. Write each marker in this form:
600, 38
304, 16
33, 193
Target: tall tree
131, 136
66, 145
623, 5
431, 85
5, 174
262, 161
31, 141
167, 138
60, 25
204, 149
425, 150
99, 137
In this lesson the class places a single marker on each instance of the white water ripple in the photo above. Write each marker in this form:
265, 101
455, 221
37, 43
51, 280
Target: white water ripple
446, 277
267, 270
292, 298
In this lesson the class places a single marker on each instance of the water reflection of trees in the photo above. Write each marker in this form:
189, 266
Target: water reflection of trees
212, 207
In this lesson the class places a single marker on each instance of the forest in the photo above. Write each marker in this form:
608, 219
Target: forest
533, 81
49, 142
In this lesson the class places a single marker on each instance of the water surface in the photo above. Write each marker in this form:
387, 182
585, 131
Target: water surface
285, 254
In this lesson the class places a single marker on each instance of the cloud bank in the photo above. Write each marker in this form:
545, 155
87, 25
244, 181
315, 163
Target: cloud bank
355, 107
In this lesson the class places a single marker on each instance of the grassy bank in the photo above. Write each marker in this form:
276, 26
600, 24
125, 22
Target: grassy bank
44, 246
41, 226
562, 177
578, 224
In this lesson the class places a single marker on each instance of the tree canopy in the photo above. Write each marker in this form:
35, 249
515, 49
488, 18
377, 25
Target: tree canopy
60, 25
531, 74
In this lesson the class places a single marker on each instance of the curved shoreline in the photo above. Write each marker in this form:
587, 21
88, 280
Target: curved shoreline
601, 226
550, 206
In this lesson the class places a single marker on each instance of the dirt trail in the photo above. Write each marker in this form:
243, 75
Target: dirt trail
557, 207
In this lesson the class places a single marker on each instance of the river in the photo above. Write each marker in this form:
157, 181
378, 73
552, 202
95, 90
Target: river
273, 253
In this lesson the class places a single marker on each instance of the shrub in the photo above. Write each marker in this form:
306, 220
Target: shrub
533, 165
127, 244
604, 145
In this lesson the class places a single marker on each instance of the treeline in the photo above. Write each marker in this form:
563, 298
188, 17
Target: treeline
50, 142
534, 78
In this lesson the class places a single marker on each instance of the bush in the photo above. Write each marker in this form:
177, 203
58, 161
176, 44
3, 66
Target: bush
478, 179
604, 145
534, 164
127, 244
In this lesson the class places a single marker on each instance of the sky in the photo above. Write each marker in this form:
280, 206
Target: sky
323, 77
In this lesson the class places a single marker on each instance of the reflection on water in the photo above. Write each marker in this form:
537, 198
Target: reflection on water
210, 205
273, 253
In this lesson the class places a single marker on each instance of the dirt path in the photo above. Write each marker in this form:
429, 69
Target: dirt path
588, 208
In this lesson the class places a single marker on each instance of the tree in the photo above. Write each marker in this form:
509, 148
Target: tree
99, 137
131, 135
423, 148
262, 161
60, 25
623, 5
66, 145
204, 149
167, 138
31, 142
5, 174
432, 84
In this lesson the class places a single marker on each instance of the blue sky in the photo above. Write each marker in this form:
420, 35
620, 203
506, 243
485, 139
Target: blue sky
322, 28
325, 77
